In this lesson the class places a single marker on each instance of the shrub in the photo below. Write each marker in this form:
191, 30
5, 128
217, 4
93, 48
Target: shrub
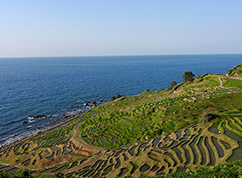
118, 96
113, 98
207, 116
23, 173
172, 84
4, 174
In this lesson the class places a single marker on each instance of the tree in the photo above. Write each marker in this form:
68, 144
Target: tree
188, 76
118, 96
172, 84
207, 116
147, 90
113, 98
23, 173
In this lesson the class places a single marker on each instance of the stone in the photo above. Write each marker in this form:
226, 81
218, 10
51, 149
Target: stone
93, 102
86, 104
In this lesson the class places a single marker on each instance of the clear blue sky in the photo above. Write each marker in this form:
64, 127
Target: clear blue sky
119, 27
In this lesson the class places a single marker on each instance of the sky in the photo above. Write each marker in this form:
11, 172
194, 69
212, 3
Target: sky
37, 28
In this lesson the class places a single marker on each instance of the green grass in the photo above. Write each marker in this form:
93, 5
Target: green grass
227, 170
207, 80
153, 118
220, 128
236, 125
236, 70
55, 134
232, 83
239, 121
54, 137
232, 129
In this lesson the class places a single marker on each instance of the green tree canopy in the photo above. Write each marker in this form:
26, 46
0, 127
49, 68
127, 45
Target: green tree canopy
172, 84
23, 173
188, 76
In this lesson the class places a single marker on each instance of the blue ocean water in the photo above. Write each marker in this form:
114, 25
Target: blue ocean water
55, 85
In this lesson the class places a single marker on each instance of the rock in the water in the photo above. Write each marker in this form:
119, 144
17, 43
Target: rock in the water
24, 122
37, 117
94, 102
86, 104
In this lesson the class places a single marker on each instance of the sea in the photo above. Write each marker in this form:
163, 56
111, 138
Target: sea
58, 86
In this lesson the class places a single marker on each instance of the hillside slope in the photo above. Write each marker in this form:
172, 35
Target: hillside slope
236, 71
194, 125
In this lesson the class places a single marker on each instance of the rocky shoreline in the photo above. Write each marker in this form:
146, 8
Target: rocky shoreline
5, 147
67, 118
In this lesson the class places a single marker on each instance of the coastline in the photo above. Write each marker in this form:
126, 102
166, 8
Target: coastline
5, 147
40, 132
42, 93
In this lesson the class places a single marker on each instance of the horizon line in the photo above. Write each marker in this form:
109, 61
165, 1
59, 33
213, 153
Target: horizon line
119, 55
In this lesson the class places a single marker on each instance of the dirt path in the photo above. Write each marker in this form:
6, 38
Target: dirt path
221, 81
174, 91
101, 151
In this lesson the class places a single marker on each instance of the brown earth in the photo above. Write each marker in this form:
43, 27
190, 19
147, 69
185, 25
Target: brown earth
101, 151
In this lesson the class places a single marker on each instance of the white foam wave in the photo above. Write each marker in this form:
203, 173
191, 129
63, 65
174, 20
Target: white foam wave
31, 121
15, 137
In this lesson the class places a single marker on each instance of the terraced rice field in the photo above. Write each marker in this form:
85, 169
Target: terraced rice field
52, 152
189, 148
134, 132
124, 126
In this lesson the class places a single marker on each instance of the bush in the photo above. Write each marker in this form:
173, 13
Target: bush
118, 96
23, 173
4, 174
172, 84
208, 116
113, 98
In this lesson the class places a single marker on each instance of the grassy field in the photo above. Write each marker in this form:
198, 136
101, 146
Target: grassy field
232, 83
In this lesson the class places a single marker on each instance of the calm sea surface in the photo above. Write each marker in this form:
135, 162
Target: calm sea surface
56, 85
